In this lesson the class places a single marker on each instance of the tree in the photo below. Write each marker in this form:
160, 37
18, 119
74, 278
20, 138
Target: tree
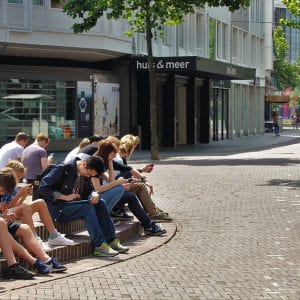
294, 7
286, 74
146, 16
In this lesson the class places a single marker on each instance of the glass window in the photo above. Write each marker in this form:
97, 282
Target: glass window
58, 4
235, 44
181, 35
212, 38
199, 31
192, 41
245, 48
15, 1
167, 36
37, 106
38, 2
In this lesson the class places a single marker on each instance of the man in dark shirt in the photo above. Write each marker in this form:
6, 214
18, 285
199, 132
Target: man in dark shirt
62, 189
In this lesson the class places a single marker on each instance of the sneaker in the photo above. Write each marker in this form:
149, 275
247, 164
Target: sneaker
43, 244
41, 267
105, 250
116, 245
154, 230
162, 217
56, 265
120, 215
17, 272
60, 240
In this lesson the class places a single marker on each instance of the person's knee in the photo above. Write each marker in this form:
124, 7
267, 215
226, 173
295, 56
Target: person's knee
38, 204
27, 209
3, 223
24, 230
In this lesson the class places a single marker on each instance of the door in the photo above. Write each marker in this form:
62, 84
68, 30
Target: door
180, 115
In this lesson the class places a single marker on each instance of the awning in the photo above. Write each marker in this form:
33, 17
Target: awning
28, 96
198, 66
278, 99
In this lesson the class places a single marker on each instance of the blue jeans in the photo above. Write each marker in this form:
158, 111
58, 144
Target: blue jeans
113, 196
96, 218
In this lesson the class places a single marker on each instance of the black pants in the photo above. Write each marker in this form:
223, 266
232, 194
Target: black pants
136, 208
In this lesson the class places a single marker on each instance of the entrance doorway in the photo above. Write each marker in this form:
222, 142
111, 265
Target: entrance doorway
219, 113
180, 115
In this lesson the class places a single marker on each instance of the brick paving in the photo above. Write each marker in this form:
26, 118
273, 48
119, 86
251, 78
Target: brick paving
237, 212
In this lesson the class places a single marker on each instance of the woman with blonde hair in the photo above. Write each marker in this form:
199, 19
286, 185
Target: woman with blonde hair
143, 189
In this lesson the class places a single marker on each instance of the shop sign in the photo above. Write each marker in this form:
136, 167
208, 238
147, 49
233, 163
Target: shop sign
166, 64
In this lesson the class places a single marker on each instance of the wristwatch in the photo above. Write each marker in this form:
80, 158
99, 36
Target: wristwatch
82, 107
82, 102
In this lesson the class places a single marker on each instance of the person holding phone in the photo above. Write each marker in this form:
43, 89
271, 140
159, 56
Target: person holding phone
25, 211
66, 189
144, 189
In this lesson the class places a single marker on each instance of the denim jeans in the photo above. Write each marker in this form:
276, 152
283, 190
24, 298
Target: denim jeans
113, 196
136, 208
96, 218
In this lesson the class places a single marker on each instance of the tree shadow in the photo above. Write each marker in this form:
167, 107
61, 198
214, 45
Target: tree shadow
282, 182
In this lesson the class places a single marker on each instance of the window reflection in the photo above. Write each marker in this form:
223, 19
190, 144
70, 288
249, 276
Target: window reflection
37, 106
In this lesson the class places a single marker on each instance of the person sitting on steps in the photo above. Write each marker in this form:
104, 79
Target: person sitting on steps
44, 264
25, 211
62, 189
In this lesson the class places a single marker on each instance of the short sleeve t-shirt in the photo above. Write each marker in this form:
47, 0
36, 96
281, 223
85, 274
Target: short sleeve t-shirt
7, 198
10, 151
31, 159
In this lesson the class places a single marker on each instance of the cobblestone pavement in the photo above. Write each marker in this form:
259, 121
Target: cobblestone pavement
238, 229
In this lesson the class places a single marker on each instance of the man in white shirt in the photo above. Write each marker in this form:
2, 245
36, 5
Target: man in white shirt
14, 149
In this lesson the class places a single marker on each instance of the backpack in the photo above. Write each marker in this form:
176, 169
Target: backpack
36, 184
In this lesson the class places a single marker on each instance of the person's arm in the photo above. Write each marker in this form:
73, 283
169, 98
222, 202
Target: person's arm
44, 163
111, 172
55, 181
21, 195
105, 187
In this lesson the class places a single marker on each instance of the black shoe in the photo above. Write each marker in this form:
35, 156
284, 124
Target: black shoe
155, 230
120, 216
17, 272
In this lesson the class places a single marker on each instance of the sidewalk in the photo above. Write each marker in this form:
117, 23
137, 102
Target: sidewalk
224, 147
215, 148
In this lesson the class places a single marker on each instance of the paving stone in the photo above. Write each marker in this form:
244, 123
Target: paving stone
237, 232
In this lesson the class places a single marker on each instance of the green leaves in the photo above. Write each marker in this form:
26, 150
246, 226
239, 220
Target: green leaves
294, 7
286, 74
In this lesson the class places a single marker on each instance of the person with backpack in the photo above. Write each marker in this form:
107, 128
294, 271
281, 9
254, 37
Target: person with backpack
65, 188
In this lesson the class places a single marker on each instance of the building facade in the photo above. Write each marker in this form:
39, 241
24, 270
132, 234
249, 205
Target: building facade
211, 73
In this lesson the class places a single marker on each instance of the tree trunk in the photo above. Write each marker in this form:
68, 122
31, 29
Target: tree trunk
153, 102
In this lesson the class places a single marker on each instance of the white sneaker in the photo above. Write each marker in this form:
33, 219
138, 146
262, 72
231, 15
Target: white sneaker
60, 240
43, 244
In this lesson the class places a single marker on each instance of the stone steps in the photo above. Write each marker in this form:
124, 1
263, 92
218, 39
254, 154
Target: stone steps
75, 230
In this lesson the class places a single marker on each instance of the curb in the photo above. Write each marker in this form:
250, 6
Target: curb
138, 247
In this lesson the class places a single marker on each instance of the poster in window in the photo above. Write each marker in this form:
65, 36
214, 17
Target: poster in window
107, 101
84, 108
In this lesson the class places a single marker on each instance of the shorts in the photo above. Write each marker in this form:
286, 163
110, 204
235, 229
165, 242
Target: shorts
12, 228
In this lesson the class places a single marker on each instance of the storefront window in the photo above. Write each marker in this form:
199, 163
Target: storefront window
37, 106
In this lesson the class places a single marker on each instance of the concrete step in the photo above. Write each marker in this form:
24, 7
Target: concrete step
125, 231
